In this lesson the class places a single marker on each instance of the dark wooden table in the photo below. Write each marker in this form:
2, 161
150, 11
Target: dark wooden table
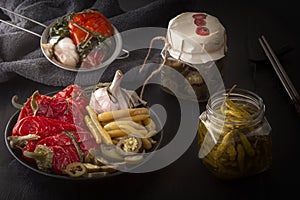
187, 178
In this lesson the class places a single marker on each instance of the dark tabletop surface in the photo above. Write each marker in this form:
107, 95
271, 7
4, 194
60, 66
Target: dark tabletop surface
187, 177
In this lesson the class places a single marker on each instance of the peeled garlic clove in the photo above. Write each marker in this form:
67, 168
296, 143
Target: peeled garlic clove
65, 51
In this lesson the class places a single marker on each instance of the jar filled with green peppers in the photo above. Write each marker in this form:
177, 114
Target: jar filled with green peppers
234, 135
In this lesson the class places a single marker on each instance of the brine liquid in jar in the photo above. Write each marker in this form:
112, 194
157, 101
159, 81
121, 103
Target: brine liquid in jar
234, 136
194, 84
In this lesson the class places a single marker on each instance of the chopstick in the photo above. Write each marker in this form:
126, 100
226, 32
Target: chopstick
281, 73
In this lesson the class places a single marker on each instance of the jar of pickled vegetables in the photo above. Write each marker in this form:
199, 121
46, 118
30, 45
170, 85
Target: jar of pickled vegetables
194, 85
195, 49
234, 135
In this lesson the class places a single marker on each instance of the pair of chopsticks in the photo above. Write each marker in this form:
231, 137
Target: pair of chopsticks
284, 78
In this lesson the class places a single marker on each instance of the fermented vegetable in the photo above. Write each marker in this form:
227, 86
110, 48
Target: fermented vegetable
234, 136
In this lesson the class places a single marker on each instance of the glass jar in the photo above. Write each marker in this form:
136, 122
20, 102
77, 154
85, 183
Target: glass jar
195, 83
234, 135
195, 46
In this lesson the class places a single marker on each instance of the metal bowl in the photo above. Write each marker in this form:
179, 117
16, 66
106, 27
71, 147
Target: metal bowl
111, 55
17, 153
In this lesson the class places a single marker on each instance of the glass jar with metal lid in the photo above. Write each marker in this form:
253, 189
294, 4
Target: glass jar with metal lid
234, 135
195, 48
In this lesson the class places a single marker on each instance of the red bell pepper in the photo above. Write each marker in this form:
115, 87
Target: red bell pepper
84, 141
67, 105
30, 146
55, 152
52, 158
43, 127
76, 143
70, 91
75, 94
91, 20
51, 130
28, 110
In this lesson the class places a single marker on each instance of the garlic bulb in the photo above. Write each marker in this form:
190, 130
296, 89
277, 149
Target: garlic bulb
113, 97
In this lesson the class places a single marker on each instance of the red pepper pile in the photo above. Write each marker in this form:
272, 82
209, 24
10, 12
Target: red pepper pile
51, 130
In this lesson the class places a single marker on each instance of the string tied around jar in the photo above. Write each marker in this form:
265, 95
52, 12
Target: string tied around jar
165, 53
146, 58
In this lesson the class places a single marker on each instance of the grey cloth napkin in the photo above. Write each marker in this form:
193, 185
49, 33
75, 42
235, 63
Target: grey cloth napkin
20, 52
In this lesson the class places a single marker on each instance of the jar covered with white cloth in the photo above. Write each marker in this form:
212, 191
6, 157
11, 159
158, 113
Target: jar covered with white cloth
193, 56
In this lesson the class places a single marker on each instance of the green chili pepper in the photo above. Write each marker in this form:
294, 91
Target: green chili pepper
224, 144
75, 169
246, 144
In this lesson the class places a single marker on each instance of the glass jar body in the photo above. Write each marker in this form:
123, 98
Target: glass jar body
235, 147
194, 85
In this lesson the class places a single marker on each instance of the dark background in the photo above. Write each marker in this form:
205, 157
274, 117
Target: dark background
187, 178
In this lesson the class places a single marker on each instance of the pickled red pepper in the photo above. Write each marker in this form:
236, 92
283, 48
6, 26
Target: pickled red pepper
83, 25
47, 132
67, 105
75, 94
84, 141
43, 127
30, 146
55, 152
52, 158
31, 130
